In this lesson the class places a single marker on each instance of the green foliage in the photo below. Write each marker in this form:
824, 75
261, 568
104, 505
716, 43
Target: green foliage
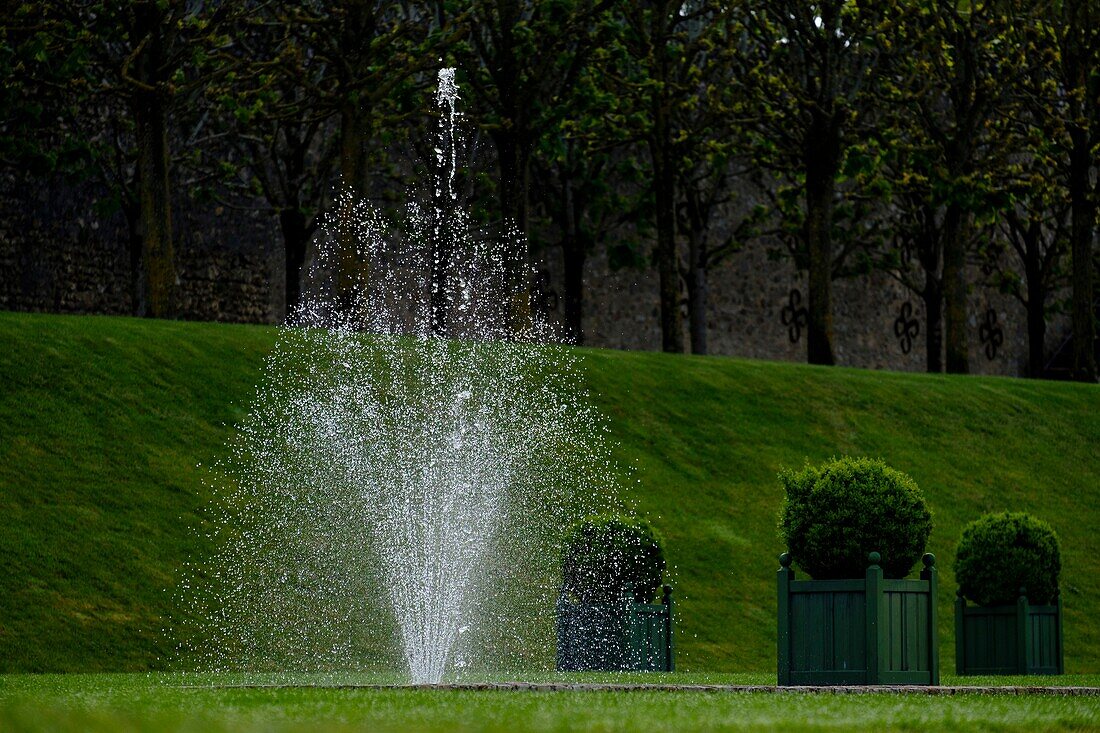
837, 513
607, 555
999, 554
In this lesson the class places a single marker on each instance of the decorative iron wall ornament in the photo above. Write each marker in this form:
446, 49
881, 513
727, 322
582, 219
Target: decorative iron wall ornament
794, 315
906, 327
991, 334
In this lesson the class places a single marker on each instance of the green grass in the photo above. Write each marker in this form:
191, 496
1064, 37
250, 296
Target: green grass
159, 703
105, 422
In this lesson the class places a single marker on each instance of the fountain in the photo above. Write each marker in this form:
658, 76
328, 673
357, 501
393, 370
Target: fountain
398, 491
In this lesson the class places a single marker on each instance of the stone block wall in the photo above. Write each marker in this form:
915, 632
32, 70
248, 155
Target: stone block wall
55, 256
751, 293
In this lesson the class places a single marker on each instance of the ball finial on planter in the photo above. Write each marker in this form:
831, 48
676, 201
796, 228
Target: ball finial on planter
836, 514
1004, 556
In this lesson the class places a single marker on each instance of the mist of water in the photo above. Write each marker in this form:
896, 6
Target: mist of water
397, 495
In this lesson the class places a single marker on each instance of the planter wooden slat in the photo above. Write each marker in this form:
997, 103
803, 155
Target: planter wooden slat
869, 631
1010, 639
828, 586
627, 636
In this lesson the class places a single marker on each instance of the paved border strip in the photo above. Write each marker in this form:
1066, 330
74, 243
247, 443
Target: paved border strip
937, 690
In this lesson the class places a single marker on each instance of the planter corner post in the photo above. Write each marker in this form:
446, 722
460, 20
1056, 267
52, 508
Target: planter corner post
1023, 627
875, 628
1061, 658
960, 633
783, 616
670, 658
930, 574
564, 652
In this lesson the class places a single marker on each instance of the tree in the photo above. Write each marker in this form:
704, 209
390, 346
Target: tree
574, 183
358, 62
814, 70
710, 157
282, 145
917, 228
1037, 232
960, 97
50, 125
1078, 32
145, 55
669, 69
522, 58
1026, 259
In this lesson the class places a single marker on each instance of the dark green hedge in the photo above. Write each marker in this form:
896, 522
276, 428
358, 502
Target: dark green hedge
607, 554
837, 513
1001, 553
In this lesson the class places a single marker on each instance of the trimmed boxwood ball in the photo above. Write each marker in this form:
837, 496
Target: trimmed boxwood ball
606, 554
1001, 553
837, 513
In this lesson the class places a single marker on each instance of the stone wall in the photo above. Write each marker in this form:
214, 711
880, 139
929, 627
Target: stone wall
754, 313
55, 256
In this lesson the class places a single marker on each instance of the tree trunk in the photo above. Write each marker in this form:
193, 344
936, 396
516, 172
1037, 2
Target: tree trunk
697, 292
822, 160
574, 252
513, 161
134, 247
292, 222
351, 271
672, 328
154, 191
1083, 212
513, 181
1079, 52
353, 149
1036, 332
955, 235
932, 296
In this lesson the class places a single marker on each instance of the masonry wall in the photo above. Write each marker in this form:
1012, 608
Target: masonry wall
59, 257
754, 313
56, 257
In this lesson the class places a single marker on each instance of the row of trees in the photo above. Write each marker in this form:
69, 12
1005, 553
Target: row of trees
915, 136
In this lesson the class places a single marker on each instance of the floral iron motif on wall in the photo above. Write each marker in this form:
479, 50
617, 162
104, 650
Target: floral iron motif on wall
794, 315
991, 334
906, 327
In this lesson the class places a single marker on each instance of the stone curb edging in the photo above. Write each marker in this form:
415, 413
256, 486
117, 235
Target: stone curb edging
937, 690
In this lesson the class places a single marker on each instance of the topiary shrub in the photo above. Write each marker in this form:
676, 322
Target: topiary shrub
836, 514
606, 554
1001, 553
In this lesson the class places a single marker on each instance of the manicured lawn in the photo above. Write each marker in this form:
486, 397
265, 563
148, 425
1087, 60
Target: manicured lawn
159, 703
106, 425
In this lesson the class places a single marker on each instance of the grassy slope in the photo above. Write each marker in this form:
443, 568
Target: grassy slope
103, 422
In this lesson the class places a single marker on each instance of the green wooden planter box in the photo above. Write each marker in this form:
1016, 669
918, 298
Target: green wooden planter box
1016, 639
615, 637
867, 631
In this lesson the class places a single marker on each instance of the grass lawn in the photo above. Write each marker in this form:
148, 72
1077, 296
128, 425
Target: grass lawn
160, 703
105, 422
